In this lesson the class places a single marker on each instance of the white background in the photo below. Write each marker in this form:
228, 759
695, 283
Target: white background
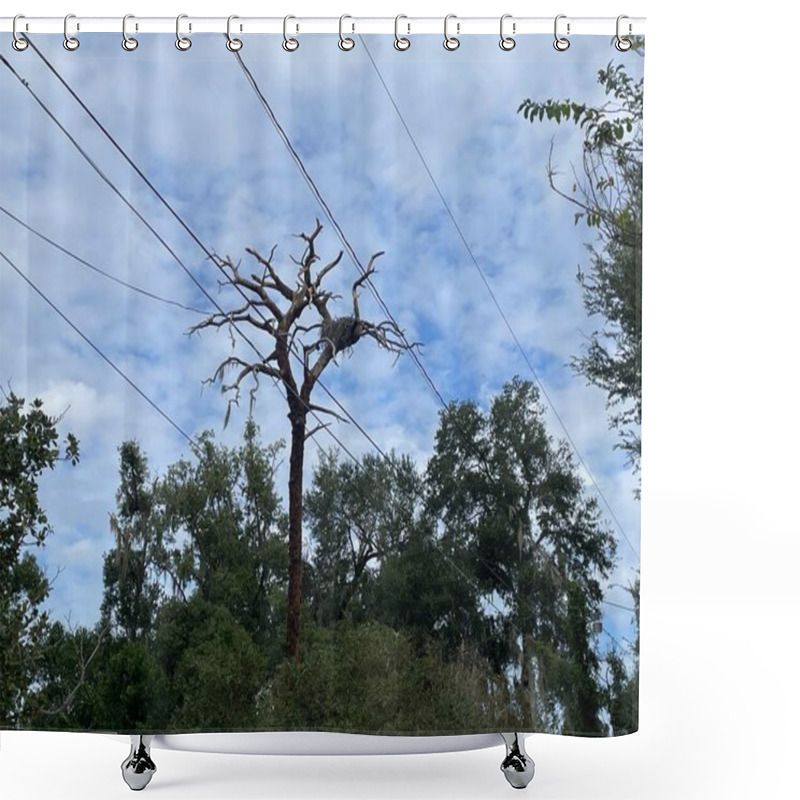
720, 603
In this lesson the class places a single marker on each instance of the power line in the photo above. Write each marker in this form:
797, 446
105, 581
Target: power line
174, 255
619, 605
329, 214
98, 270
155, 233
188, 230
97, 350
210, 255
495, 300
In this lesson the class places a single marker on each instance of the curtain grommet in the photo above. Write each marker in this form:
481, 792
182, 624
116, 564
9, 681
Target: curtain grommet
19, 43
400, 42
70, 42
561, 43
345, 42
451, 42
507, 42
181, 42
129, 43
289, 44
233, 44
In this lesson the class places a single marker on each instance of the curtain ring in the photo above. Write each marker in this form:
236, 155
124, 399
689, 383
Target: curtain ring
561, 43
20, 42
128, 42
623, 44
181, 42
450, 42
400, 42
289, 44
233, 44
506, 42
345, 42
70, 42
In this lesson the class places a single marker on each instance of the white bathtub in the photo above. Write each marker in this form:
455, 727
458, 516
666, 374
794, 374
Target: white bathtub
139, 767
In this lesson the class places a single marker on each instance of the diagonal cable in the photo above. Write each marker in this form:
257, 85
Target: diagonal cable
97, 350
496, 302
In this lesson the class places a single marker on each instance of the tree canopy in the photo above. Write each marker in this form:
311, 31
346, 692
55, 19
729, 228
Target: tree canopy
606, 191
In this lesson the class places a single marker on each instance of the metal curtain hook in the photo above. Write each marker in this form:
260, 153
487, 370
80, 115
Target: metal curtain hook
400, 42
70, 42
20, 42
289, 44
233, 44
506, 42
623, 44
128, 42
561, 43
450, 42
345, 42
181, 42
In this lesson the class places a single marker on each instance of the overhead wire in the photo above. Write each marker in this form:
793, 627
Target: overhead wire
208, 253
97, 350
147, 224
100, 172
104, 273
329, 214
493, 296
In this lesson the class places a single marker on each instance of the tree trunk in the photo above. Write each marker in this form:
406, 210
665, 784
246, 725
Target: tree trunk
298, 421
527, 680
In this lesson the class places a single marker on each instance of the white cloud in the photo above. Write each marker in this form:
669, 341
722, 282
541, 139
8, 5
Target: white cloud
194, 125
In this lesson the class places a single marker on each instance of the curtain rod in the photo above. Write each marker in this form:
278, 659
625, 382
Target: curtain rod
513, 26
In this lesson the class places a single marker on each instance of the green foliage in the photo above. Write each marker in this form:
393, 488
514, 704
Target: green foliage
214, 669
512, 500
622, 683
64, 692
608, 198
29, 447
357, 516
456, 601
369, 678
132, 593
224, 532
131, 688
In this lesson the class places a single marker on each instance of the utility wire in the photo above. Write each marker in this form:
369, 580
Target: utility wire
172, 252
619, 605
496, 302
155, 233
98, 270
211, 256
329, 214
97, 350
189, 231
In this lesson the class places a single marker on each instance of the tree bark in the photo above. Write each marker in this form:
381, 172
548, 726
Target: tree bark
298, 420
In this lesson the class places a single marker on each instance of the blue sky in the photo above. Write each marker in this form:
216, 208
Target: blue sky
193, 124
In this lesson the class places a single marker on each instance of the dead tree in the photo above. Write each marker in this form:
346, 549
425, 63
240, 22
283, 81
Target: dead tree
303, 337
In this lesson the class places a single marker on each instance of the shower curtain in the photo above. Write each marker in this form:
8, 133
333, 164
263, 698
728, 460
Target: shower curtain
321, 385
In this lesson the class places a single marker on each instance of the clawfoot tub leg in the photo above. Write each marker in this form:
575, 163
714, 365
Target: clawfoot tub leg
517, 766
138, 768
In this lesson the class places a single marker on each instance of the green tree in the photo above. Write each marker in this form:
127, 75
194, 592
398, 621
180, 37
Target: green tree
63, 693
370, 678
214, 670
29, 446
357, 516
622, 689
375, 556
303, 338
132, 592
225, 532
511, 498
607, 193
